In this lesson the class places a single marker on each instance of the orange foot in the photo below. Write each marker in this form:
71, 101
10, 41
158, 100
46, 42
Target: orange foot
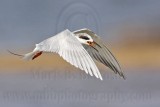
36, 55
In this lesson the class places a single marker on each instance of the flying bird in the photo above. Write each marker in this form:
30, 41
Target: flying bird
79, 48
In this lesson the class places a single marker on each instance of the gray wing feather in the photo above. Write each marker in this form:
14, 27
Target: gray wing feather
103, 54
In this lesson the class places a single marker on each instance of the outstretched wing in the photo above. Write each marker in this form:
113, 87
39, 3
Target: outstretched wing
102, 53
71, 50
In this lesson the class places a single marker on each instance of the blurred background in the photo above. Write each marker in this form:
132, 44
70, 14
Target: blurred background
130, 28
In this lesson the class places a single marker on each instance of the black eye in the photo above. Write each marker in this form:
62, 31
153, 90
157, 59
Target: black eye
84, 37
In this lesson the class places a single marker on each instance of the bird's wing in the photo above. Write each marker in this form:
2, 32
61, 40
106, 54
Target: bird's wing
71, 50
102, 53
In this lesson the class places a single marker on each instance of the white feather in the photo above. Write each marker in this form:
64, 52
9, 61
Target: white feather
71, 50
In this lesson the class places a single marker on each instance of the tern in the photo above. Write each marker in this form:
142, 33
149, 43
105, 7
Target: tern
79, 48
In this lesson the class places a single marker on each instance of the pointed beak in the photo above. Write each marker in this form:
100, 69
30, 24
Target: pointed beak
92, 45
96, 44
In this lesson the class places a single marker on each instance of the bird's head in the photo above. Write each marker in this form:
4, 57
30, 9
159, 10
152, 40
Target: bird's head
86, 39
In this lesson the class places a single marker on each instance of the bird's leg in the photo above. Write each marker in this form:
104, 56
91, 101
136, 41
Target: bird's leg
36, 55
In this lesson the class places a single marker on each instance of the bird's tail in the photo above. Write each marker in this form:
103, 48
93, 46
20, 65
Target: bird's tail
28, 56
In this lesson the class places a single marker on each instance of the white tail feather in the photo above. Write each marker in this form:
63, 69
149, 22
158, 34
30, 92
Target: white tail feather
28, 56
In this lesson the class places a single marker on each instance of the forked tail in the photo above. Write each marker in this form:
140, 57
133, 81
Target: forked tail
28, 56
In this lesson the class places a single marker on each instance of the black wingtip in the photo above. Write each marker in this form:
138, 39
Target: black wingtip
123, 76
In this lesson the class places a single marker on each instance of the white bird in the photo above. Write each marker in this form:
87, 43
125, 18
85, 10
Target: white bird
78, 48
